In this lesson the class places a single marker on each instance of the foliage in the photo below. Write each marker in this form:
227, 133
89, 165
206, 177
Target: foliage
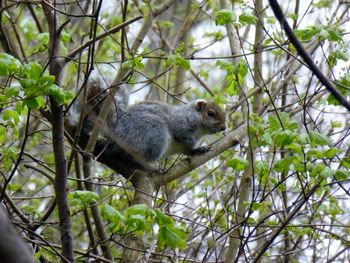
141, 219
286, 149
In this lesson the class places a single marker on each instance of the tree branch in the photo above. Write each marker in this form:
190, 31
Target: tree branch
305, 56
60, 185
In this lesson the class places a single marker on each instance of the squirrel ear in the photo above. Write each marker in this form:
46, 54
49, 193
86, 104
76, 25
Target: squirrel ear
200, 104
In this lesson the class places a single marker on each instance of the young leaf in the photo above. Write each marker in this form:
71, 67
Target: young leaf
283, 138
336, 55
317, 138
9, 65
225, 17
11, 115
238, 164
346, 162
114, 217
171, 236
342, 175
247, 19
32, 71
178, 60
83, 198
274, 123
163, 219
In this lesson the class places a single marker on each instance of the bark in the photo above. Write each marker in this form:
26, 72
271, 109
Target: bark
258, 82
60, 185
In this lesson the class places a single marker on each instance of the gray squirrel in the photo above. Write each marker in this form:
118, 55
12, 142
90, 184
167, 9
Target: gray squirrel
151, 131
139, 136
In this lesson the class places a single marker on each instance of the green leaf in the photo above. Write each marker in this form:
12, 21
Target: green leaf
225, 17
137, 209
317, 138
2, 134
12, 91
262, 207
336, 55
303, 138
321, 170
335, 33
330, 32
343, 86
313, 152
47, 80
261, 168
9, 65
274, 123
134, 63
8, 157
327, 172
32, 71
163, 219
217, 35
30, 86
178, 60
171, 236
109, 213
284, 164
11, 115
346, 162
166, 24
224, 65
235, 74
34, 102
138, 223
323, 3
307, 33
266, 140
283, 138
232, 88
114, 217
42, 40
330, 153
238, 164
342, 175
65, 37
247, 19
58, 94
82, 198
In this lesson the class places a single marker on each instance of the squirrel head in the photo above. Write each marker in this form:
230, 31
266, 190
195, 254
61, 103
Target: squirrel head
213, 116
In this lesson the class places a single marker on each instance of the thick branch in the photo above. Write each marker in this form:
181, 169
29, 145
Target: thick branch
55, 68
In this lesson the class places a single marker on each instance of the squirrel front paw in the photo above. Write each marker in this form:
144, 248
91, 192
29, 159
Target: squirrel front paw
199, 150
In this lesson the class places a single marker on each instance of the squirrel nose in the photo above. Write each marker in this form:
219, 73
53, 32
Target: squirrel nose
223, 127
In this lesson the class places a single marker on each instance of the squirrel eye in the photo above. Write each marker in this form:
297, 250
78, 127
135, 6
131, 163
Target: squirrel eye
211, 113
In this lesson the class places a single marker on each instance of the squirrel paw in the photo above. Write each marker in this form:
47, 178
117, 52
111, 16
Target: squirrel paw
202, 149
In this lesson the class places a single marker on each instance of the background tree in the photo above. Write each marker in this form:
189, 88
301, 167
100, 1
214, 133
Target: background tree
274, 187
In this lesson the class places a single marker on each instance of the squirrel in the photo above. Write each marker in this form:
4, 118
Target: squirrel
140, 135
151, 131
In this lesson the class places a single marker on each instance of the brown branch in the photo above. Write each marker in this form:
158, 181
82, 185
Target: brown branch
55, 68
